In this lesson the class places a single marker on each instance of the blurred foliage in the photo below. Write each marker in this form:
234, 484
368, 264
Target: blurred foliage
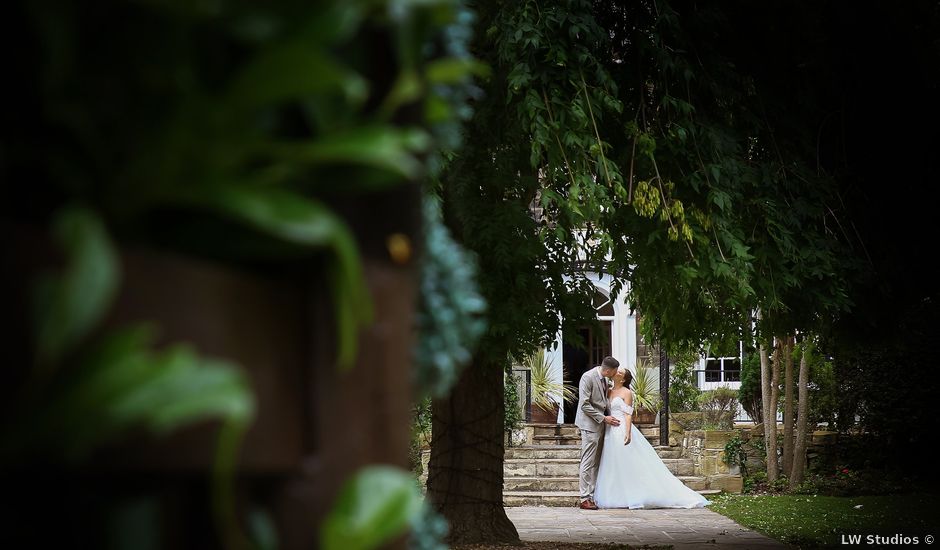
428, 530
224, 131
70, 304
377, 504
83, 395
450, 315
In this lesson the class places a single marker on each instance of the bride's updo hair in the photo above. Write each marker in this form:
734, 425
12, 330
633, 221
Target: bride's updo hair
627, 376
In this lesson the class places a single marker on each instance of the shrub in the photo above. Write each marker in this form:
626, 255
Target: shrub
735, 453
512, 403
755, 483
749, 394
823, 397
845, 481
719, 407
683, 391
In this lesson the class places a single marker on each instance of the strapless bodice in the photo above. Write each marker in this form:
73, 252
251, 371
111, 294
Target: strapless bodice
619, 407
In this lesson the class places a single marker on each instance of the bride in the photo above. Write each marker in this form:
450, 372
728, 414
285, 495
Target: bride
631, 474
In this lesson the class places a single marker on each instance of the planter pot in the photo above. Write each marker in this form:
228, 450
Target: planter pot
543, 416
644, 416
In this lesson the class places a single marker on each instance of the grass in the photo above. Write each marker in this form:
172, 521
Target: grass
812, 521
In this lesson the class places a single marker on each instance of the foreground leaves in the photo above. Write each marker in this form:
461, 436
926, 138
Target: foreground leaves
378, 503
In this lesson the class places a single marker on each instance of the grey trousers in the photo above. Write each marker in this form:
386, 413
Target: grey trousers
591, 445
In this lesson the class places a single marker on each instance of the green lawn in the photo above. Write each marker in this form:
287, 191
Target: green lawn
811, 521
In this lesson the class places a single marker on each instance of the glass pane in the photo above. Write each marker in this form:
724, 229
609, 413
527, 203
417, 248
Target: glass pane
603, 305
732, 368
713, 370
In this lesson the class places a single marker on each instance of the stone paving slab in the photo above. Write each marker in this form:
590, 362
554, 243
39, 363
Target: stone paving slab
683, 529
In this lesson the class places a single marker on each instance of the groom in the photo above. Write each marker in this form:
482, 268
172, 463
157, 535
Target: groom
590, 418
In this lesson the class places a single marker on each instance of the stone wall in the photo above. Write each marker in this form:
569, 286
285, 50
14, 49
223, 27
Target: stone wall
706, 448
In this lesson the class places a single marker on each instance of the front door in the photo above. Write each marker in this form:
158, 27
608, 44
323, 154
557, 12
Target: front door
576, 359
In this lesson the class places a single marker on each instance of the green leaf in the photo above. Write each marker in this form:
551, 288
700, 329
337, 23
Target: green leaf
124, 384
452, 70
197, 389
292, 70
377, 504
69, 305
715, 171
384, 147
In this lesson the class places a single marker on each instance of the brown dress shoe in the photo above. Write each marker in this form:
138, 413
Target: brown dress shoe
588, 505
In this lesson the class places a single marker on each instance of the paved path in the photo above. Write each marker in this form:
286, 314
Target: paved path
683, 529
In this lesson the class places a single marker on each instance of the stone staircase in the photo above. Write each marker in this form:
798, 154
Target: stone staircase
545, 472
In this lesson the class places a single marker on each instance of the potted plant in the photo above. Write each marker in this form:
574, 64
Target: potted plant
546, 391
646, 401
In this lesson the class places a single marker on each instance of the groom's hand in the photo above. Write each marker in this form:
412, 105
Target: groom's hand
611, 420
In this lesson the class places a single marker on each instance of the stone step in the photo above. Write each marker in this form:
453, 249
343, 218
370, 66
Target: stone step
729, 483
567, 440
532, 452
540, 498
568, 467
696, 483
544, 467
553, 429
668, 452
679, 466
568, 483
649, 429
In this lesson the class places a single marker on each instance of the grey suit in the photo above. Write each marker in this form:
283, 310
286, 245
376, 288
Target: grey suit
592, 408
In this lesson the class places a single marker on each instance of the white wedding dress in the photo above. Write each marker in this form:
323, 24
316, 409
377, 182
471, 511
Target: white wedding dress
633, 476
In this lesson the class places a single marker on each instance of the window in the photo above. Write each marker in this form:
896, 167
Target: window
713, 370
603, 305
723, 369
731, 367
598, 344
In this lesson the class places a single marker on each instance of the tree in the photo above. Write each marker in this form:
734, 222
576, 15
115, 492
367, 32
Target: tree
640, 139
798, 460
788, 406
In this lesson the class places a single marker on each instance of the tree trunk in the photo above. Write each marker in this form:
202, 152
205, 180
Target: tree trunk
799, 451
772, 391
465, 473
788, 406
765, 400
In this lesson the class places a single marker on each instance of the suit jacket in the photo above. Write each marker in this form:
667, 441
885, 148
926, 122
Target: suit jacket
592, 401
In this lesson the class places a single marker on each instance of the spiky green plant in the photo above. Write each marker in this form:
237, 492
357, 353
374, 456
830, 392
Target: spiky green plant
546, 390
644, 388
